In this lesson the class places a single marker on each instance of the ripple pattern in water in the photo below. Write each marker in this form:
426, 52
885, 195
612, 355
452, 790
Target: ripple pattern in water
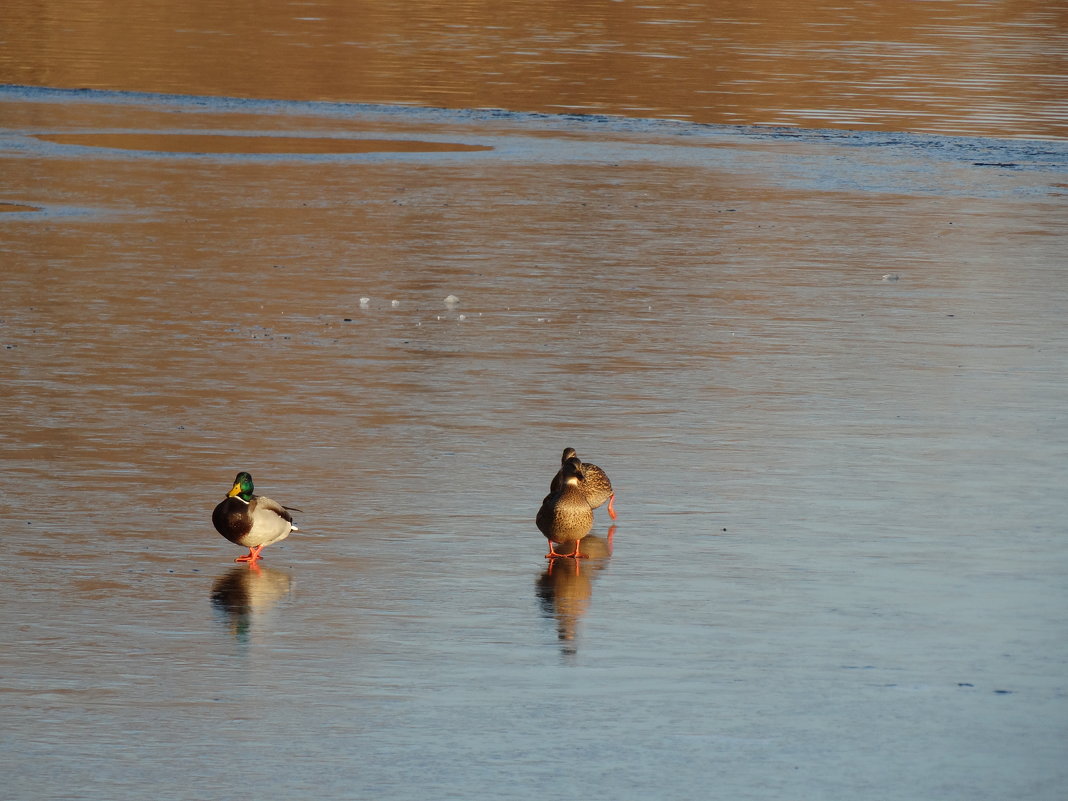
840, 564
994, 69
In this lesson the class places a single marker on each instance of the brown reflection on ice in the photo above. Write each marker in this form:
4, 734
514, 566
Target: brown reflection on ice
266, 145
245, 594
566, 587
950, 66
17, 207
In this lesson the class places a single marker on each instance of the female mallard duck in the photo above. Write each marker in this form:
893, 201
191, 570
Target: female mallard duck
565, 516
595, 483
251, 520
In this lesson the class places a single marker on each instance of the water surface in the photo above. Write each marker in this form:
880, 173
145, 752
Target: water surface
825, 372
946, 66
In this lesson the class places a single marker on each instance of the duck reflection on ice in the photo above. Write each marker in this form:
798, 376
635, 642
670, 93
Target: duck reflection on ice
244, 594
566, 586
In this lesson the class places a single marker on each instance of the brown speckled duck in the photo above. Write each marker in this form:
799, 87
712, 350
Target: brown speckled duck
595, 483
251, 520
565, 515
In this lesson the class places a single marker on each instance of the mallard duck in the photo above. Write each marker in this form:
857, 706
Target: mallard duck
595, 483
565, 515
251, 520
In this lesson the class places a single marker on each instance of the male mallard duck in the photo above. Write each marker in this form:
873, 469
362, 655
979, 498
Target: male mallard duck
251, 520
595, 483
565, 515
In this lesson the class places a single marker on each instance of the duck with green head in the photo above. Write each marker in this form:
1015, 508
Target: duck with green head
250, 520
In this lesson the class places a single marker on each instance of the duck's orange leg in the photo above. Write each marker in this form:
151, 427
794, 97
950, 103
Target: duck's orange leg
575, 554
611, 506
252, 555
555, 554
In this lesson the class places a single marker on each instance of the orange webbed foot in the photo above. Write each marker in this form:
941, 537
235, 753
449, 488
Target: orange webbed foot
252, 555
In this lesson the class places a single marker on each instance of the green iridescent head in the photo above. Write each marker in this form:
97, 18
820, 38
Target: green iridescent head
242, 487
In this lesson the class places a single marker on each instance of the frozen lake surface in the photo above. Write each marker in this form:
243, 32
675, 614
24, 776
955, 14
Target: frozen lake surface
826, 372
954, 67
